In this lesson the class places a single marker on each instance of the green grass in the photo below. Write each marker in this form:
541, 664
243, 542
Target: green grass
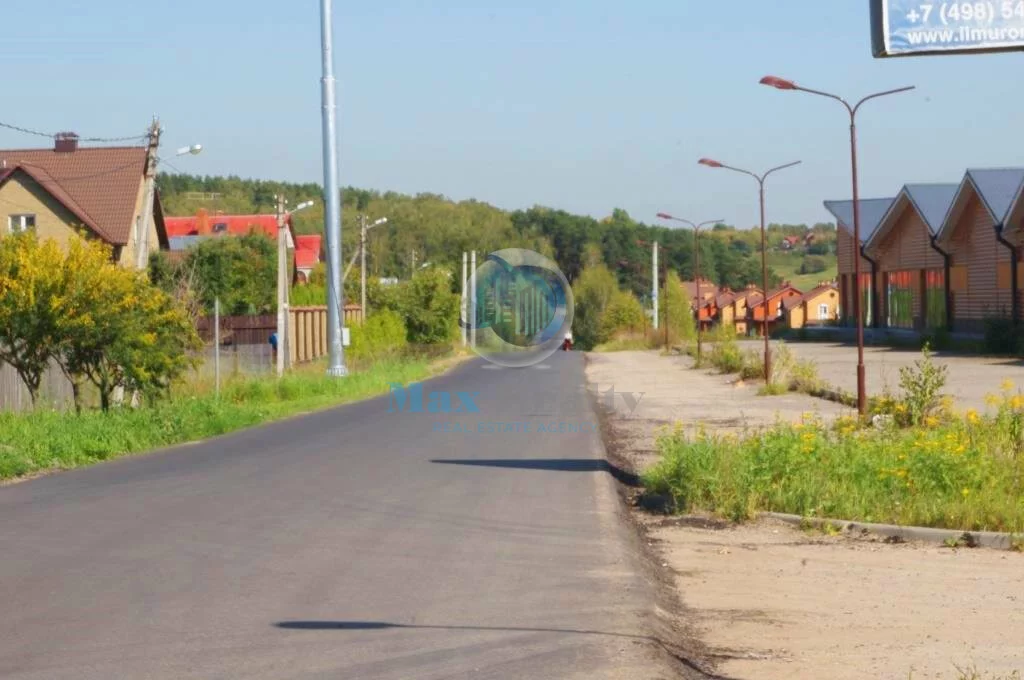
49, 440
787, 265
965, 474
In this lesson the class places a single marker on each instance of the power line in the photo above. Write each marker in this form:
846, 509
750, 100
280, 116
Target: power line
48, 135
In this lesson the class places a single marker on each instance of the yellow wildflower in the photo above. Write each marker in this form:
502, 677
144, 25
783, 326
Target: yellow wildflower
931, 421
1006, 385
972, 417
966, 492
1017, 402
991, 400
901, 408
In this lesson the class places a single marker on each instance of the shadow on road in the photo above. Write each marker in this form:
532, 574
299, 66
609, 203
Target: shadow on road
554, 465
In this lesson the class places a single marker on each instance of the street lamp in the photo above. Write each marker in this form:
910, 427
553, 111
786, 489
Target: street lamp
696, 268
764, 253
193, 150
783, 84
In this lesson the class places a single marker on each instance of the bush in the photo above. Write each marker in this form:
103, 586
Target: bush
383, 335
593, 292
813, 264
922, 385
1002, 336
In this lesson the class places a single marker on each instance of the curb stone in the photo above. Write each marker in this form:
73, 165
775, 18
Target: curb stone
971, 539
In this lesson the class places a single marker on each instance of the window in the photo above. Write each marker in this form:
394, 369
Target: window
901, 299
823, 312
935, 298
19, 223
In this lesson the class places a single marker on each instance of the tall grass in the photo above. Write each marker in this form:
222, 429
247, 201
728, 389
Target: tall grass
965, 474
49, 440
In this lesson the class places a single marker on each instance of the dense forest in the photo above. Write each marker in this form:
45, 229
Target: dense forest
431, 228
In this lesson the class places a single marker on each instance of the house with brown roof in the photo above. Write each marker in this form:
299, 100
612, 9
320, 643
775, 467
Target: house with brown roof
776, 311
737, 311
67, 192
817, 307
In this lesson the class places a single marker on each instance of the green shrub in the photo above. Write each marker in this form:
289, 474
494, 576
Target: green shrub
384, 334
430, 308
1002, 336
922, 386
623, 314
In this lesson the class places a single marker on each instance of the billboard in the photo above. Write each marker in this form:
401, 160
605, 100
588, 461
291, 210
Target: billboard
903, 28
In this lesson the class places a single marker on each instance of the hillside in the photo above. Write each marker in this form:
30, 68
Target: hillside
432, 228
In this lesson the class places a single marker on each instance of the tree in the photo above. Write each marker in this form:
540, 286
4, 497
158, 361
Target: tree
30, 298
676, 311
430, 308
117, 329
623, 313
592, 292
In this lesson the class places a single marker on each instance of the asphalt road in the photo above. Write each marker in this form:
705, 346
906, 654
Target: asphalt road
353, 543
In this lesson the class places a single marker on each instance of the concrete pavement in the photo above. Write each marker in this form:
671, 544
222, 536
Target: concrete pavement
353, 543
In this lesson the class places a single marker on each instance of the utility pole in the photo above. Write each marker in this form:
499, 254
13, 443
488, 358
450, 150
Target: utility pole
654, 281
413, 264
472, 300
362, 267
142, 240
332, 212
282, 285
465, 307
667, 298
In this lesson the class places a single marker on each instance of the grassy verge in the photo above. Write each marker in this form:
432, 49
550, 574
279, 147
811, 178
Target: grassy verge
48, 440
960, 473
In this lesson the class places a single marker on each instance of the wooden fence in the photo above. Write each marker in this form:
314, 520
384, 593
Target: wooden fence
54, 391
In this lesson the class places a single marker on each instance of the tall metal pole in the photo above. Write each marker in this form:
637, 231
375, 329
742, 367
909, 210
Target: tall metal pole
668, 300
465, 306
654, 281
282, 283
362, 267
764, 285
700, 299
862, 400
332, 199
216, 346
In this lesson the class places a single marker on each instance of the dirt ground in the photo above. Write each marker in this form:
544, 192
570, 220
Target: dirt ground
969, 378
771, 602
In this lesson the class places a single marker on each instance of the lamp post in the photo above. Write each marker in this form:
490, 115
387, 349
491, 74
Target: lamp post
764, 253
362, 261
696, 268
332, 198
152, 161
789, 85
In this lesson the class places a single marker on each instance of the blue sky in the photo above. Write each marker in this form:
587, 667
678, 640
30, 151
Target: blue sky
585, 105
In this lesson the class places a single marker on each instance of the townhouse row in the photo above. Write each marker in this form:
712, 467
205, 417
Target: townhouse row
936, 256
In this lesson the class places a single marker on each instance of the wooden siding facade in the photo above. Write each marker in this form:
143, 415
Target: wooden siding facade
845, 254
980, 277
904, 258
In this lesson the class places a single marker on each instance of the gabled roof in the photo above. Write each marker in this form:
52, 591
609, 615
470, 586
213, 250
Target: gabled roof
810, 295
103, 182
43, 179
999, 190
791, 302
872, 210
724, 298
744, 294
236, 225
930, 201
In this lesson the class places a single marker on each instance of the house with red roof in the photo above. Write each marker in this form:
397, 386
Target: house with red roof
67, 191
185, 232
